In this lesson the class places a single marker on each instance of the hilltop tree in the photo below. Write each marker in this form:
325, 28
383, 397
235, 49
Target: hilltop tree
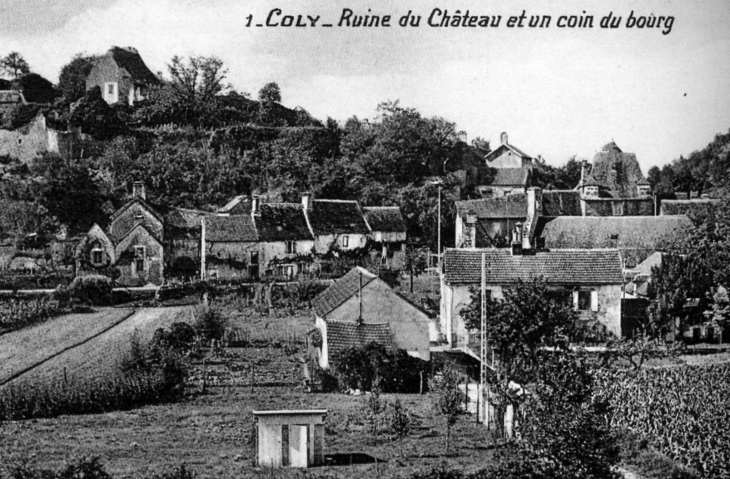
72, 79
270, 92
14, 65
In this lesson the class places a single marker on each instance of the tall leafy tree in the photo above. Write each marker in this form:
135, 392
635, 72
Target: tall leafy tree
14, 65
270, 92
36, 89
72, 78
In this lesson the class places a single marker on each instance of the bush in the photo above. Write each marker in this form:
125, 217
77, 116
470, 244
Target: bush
210, 323
81, 468
359, 367
95, 290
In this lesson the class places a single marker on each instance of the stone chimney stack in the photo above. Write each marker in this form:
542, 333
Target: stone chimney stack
307, 199
255, 205
503, 138
138, 190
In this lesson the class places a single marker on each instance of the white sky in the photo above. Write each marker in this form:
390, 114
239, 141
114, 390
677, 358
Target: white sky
557, 92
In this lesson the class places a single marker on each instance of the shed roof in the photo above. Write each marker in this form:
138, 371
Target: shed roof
130, 60
510, 206
387, 219
562, 266
230, 229
512, 177
342, 335
336, 217
339, 291
282, 222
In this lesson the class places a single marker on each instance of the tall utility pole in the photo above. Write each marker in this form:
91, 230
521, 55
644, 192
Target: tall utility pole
439, 227
483, 355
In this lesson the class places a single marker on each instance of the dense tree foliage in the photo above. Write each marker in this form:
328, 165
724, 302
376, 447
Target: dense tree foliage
72, 78
270, 92
36, 89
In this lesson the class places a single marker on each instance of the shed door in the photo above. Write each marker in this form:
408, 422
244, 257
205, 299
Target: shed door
298, 446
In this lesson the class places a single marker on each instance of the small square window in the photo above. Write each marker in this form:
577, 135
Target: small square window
110, 88
96, 256
139, 265
291, 247
345, 241
584, 300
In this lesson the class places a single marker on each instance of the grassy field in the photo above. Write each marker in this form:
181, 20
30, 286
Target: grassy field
25, 348
210, 433
101, 356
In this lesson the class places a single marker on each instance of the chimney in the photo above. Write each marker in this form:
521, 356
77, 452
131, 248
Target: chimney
255, 205
503, 138
138, 190
307, 199
517, 233
582, 172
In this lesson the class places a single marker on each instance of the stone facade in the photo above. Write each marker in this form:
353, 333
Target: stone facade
122, 76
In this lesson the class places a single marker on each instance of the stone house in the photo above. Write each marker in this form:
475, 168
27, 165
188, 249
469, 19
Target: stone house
508, 156
287, 244
335, 224
387, 231
228, 244
122, 76
361, 305
590, 279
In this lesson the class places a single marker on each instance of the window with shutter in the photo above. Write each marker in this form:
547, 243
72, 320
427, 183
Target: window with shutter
594, 300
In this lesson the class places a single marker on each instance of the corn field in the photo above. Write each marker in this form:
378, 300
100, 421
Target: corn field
37, 400
16, 314
684, 411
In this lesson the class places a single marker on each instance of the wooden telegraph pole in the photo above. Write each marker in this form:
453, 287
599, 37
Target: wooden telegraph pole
483, 355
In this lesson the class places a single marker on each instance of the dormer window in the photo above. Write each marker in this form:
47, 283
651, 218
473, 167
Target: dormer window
644, 190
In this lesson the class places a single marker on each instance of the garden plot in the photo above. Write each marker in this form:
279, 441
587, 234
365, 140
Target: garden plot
27, 348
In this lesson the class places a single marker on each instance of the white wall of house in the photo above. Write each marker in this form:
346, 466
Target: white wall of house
605, 306
284, 249
344, 241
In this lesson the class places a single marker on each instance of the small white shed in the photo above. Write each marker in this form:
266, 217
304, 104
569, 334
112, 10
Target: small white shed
290, 438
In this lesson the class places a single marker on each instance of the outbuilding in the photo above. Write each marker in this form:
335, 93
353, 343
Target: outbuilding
290, 438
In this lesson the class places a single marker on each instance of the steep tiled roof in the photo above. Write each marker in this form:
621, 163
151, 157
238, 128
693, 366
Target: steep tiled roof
386, 219
561, 203
142, 202
510, 206
282, 222
618, 172
342, 335
511, 177
230, 228
597, 266
513, 148
341, 290
336, 217
184, 223
131, 61
636, 236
